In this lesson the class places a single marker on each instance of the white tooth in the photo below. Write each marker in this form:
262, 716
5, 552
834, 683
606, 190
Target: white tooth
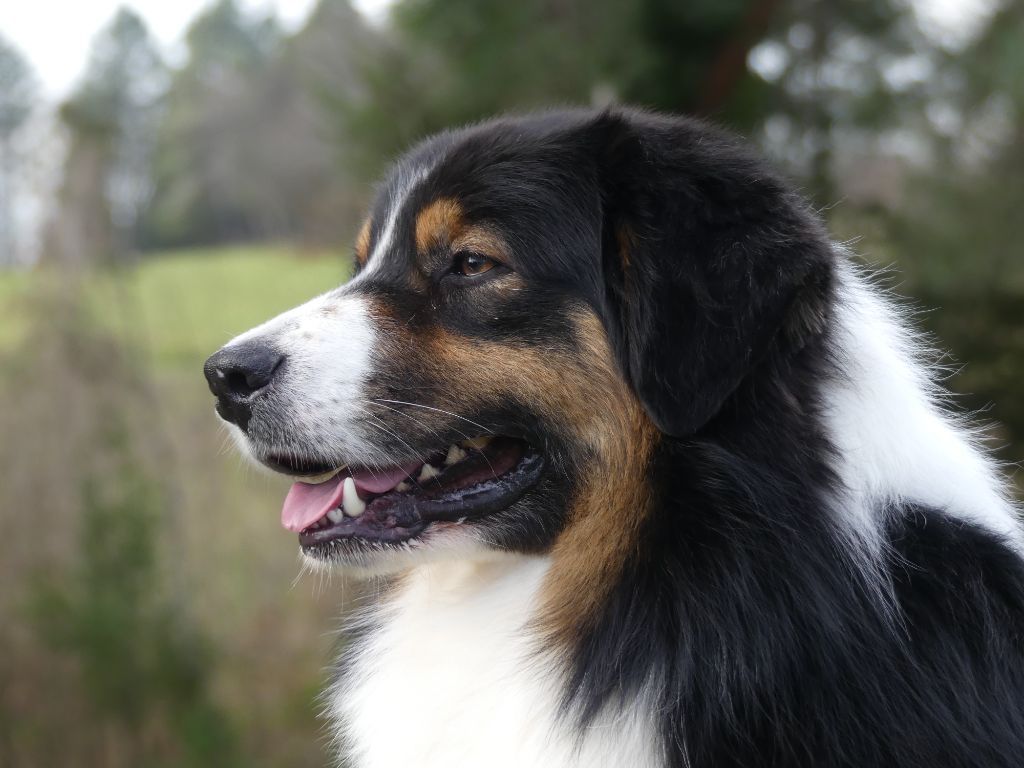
350, 501
402, 487
478, 442
335, 515
428, 471
455, 454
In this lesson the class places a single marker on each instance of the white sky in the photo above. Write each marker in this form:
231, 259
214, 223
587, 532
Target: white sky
54, 35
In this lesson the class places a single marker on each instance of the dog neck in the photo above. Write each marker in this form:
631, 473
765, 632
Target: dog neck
449, 657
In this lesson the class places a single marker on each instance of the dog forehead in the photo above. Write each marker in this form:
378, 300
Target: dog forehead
483, 182
480, 160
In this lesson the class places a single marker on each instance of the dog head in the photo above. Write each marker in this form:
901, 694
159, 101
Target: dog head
538, 303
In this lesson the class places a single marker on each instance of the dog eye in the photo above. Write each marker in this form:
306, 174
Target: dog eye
469, 264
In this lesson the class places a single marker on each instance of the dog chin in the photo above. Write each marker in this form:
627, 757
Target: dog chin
446, 544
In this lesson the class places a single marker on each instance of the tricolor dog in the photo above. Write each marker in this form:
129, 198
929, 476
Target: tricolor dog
652, 473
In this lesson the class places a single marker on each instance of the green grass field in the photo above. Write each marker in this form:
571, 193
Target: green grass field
181, 306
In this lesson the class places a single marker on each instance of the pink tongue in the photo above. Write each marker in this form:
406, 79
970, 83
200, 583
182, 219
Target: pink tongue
383, 480
306, 503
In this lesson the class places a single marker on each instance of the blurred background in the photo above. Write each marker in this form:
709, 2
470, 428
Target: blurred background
173, 173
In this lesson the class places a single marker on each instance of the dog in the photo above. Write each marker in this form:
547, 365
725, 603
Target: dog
651, 472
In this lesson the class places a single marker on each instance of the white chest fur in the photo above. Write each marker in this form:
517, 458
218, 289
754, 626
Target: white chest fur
448, 680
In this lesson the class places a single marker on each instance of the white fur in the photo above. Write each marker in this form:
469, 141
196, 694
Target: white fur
450, 680
407, 182
896, 443
314, 405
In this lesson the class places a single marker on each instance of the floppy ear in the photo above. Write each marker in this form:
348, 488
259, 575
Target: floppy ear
709, 263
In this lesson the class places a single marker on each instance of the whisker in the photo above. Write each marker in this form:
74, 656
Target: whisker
372, 422
380, 402
376, 423
437, 433
415, 420
437, 410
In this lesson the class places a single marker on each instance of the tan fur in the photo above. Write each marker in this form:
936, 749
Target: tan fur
443, 223
626, 241
363, 243
584, 395
605, 516
438, 223
479, 239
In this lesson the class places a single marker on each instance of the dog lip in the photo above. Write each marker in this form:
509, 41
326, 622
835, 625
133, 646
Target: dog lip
396, 517
309, 470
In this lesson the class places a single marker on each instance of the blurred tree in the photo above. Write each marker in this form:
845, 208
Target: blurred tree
244, 152
110, 119
957, 234
17, 98
326, 61
142, 666
455, 61
844, 72
217, 136
962, 203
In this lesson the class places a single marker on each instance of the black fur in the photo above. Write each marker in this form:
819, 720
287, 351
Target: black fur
744, 618
747, 616
718, 252
762, 646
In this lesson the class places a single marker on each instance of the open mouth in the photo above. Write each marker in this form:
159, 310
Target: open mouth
390, 505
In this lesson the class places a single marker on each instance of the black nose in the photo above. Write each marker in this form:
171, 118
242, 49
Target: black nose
236, 373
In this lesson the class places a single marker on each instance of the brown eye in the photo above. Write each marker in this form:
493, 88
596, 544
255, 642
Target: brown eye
472, 264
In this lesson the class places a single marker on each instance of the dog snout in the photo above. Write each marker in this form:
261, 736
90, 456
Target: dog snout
235, 373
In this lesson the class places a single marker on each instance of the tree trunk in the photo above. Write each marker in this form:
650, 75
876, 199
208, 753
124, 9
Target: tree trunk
8, 243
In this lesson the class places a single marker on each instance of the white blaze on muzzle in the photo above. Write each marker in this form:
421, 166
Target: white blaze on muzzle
316, 399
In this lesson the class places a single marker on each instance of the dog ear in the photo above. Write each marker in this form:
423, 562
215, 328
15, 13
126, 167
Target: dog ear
708, 260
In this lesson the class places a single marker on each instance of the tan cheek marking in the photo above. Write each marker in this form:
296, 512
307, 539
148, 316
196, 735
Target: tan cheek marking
587, 396
626, 242
611, 505
363, 243
438, 222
